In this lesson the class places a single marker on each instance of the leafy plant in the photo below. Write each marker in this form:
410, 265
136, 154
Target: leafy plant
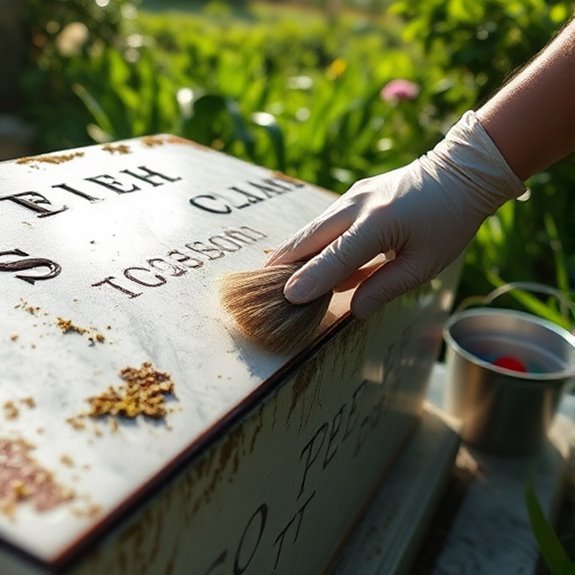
550, 546
483, 43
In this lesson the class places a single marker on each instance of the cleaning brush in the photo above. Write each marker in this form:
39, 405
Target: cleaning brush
261, 312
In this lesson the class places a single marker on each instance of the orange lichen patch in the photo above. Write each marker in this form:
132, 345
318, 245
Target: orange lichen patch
143, 392
97, 337
153, 141
25, 306
11, 411
23, 479
180, 140
55, 159
28, 402
287, 179
67, 326
14, 337
67, 461
91, 511
116, 148
77, 422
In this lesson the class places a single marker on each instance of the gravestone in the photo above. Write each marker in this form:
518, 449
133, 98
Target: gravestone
141, 434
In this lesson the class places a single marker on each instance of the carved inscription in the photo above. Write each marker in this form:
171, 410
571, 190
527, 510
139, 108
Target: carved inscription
350, 425
124, 182
154, 271
238, 198
25, 262
176, 262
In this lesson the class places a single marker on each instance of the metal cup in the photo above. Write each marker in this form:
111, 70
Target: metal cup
501, 410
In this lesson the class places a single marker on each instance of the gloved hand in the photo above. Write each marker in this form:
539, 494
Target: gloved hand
424, 213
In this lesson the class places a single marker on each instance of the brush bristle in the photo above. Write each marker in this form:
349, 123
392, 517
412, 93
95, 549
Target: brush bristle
261, 312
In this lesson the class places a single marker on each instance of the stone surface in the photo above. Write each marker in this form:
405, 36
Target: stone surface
479, 524
388, 538
110, 260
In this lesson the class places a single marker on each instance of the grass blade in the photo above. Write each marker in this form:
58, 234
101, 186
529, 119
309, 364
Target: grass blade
553, 553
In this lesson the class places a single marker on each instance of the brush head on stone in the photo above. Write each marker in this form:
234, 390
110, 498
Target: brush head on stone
256, 301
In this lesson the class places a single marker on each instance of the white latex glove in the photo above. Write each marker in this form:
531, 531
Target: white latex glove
425, 213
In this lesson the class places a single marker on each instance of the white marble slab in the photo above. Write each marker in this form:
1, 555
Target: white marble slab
127, 241
178, 324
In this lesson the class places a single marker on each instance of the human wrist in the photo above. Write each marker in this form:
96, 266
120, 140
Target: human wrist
469, 160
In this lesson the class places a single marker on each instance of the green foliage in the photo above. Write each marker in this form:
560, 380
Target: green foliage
485, 42
296, 92
550, 547
63, 37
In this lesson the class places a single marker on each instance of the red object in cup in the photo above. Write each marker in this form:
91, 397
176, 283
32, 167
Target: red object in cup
510, 362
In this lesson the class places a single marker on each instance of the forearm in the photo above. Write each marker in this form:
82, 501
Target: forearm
532, 118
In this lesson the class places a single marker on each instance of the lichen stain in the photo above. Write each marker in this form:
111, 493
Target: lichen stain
53, 159
140, 544
258, 423
226, 458
335, 361
155, 141
223, 462
24, 480
116, 148
288, 179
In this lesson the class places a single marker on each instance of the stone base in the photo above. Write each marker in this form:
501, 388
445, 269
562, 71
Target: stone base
444, 515
387, 539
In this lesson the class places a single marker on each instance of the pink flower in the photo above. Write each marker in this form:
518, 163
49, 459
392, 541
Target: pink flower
399, 89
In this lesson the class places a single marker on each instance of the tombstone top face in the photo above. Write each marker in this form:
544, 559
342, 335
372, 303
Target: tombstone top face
109, 263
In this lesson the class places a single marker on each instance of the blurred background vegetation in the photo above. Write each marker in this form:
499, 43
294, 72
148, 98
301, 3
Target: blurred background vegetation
299, 88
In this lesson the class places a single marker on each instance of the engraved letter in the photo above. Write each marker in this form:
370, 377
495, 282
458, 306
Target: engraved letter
112, 184
109, 281
128, 272
194, 262
204, 202
54, 269
353, 410
252, 198
335, 425
156, 263
228, 244
280, 538
311, 454
200, 248
262, 513
35, 202
217, 563
151, 177
72, 190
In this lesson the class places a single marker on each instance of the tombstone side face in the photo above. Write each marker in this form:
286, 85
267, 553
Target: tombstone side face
262, 463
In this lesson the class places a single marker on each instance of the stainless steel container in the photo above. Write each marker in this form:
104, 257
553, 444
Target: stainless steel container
502, 410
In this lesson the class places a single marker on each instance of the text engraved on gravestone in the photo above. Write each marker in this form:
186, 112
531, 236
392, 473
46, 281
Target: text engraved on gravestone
352, 424
155, 270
